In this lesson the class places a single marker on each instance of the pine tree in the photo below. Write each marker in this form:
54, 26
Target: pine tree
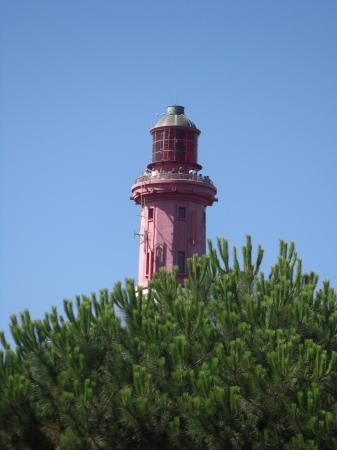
232, 359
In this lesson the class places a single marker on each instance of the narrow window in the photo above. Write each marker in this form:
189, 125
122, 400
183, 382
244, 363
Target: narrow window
181, 212
160, 256
181, 262
150, 214
194, 227
151, 264
147, 263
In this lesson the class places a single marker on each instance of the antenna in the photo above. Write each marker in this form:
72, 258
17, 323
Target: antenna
141, 236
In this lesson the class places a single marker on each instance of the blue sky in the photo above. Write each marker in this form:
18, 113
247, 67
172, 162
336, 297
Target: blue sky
80, 85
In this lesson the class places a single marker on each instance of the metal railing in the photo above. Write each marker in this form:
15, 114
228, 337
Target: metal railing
175, 176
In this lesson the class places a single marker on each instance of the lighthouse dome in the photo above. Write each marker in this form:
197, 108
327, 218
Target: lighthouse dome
175, 117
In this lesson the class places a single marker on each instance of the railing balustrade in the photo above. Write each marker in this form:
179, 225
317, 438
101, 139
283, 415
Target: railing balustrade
175, 176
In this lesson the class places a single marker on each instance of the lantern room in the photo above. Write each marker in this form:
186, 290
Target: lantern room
175, 141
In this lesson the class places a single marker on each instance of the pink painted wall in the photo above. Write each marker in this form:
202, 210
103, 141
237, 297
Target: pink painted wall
166, 234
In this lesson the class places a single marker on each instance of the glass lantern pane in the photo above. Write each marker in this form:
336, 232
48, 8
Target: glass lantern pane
180, 134
180, 145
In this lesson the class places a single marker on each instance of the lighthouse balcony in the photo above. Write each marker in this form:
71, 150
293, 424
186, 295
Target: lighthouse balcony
157, 175
169, 185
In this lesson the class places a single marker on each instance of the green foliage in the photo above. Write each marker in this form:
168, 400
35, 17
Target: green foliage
230, 360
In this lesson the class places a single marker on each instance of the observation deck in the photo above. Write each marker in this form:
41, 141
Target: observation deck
191, 186
175, 176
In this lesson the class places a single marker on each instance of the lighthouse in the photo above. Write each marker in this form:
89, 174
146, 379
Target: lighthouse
173, 196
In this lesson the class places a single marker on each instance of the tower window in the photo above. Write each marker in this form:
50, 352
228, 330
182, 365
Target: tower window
149, 264
181, 262
194, 227
181, 212
150, 214
160, 256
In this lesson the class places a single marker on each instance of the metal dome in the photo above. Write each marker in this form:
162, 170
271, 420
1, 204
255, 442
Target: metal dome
175, 117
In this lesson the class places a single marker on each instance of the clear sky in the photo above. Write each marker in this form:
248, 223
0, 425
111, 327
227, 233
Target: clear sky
81, 83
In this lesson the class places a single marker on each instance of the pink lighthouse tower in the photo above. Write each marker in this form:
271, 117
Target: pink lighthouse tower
173, 196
